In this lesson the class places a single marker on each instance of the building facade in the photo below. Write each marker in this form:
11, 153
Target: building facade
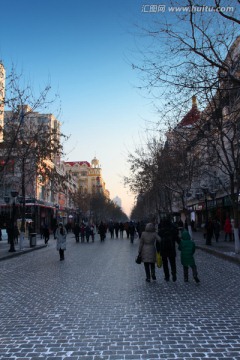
29, 173
213, 138
88, 176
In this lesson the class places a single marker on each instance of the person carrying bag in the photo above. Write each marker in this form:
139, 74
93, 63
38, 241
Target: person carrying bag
61, 235
147, 249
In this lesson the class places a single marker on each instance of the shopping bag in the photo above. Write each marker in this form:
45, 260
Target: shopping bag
159, 259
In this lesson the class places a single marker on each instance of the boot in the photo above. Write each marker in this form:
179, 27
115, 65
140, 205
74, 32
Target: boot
196, 279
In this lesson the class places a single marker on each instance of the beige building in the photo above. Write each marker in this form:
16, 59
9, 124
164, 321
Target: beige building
89, 176
45, 198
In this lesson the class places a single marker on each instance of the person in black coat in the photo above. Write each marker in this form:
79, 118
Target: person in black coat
102, 231
15, 233
209, 231
111, 229
169, 237
46, 234
116, 228
121, 228
132, 231
76, 231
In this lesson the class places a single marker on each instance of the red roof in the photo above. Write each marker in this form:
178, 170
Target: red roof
72, 163
192, 116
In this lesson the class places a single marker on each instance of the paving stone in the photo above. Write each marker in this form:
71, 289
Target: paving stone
96, 305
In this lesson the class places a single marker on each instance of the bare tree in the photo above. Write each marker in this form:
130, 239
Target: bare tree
187, 46
195, 51
31, 141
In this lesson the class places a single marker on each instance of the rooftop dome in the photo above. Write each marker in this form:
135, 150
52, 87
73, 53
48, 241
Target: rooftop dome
95, 162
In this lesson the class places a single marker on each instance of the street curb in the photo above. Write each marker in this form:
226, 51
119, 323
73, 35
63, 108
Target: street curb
21, 252
219, 254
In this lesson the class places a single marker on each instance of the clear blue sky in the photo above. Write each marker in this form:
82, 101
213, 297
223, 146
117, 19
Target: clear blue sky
84, 48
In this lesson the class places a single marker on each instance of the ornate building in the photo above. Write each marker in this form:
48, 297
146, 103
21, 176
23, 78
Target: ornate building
88, 176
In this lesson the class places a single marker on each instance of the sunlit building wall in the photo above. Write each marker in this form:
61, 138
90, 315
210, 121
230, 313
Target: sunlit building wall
89, 176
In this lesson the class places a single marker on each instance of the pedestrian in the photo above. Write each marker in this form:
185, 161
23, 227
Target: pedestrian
187, 248
193, 225
9, 232
42, 231
76, 231
92, 232
169, 237
111, 229
54, 230
121, 229
209, 231
116, 229
61, 236
228, 229
82, 232
131, 230
140, 228
87, 231
102, 231
180, 224
147, 250
46, 234
15, 233
126, 228
216, 229
30, 229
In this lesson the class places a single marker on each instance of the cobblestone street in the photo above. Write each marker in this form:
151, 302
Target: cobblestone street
96, 304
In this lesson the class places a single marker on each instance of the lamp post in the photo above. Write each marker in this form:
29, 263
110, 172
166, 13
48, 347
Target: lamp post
208, 224
57, 209
14, 194
205, 192
186, 195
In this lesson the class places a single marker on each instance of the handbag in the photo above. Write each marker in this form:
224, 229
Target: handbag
138, 259
158, 259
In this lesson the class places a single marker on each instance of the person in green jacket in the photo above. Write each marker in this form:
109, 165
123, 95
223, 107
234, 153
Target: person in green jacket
187, 248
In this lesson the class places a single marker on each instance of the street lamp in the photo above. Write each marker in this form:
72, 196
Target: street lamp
205, 192
7, 199
57, 209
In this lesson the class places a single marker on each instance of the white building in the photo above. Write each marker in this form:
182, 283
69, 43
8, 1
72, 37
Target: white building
117, 201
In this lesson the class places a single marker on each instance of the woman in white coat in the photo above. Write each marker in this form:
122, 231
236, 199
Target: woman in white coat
147, 249
61, 235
